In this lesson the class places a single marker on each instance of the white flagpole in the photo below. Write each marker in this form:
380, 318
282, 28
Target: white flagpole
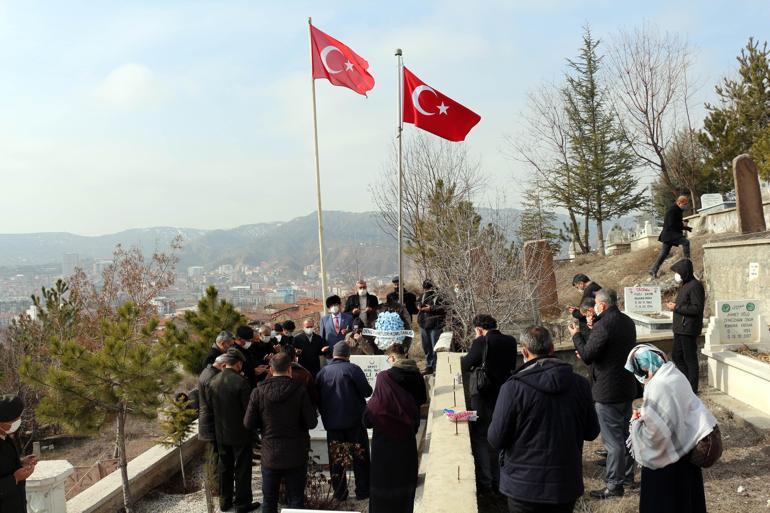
317, 179
399, 55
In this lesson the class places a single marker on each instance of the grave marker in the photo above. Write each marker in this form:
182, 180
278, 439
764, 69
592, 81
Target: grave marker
371, 365
739, 321
642, 299
748, 195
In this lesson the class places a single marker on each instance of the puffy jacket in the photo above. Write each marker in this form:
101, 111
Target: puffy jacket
205, 415
342, 392
690, 301
281, 410
543, 415
612, 337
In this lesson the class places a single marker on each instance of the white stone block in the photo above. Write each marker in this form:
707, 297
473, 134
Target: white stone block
45, 487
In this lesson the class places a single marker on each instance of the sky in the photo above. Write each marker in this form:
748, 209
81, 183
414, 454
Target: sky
117, 115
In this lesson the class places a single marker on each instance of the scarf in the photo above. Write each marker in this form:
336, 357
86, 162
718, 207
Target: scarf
643, 358
673, 420
392, 409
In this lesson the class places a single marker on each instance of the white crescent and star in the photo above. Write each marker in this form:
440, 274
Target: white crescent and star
325, 53
442, 109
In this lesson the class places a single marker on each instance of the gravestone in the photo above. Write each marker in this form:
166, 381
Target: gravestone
748, 195
739, 321
371, 365
45, 487
710, 200
538, 267
642, 299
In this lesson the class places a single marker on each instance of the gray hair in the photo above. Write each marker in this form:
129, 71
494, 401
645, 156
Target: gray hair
265, 329
608, 296
537, 340
224, 336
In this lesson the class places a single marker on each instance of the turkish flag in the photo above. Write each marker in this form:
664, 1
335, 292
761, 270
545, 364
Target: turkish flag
434, 112
339, 64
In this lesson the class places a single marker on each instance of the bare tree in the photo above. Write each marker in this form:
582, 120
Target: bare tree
651, 93
426, 163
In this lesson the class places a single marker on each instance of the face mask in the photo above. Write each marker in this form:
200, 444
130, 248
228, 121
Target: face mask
278, 337
264, 338
14, 426
247, 344
677, 277
272, 333
361, 292
598, 310
308, 331
685, 206
335, 309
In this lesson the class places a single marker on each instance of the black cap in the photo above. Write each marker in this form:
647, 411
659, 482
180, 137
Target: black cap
11, 407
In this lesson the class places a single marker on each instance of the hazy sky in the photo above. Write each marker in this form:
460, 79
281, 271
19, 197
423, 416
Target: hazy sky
116, 115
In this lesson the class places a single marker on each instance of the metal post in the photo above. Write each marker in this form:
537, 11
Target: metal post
400, 58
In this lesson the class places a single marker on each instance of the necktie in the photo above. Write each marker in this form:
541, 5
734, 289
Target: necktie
336, 323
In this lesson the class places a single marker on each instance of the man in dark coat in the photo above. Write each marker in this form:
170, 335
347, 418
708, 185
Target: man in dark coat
543, 415
613, 335
282, 412
244, 340
362, 305
410, 300
223, 342
206, 432
343, 389
431, 320
309, 346
672, 234
228, 398
336, 324
14, 470
688, 320
501, 360
588, 289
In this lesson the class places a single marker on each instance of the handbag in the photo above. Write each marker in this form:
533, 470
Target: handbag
708, 450
480, 381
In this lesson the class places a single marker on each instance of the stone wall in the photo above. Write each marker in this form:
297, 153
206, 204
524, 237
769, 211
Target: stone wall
723, 221
727, 272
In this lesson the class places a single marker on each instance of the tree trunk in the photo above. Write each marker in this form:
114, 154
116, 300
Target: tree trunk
586, 232
181, 465
122, 458
576, 231
600, 236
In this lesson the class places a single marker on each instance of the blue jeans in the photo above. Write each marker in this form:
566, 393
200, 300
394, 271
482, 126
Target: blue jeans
295, 488
614, 419
429, 338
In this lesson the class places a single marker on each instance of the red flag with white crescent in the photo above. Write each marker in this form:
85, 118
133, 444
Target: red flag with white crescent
339, 64
434, 112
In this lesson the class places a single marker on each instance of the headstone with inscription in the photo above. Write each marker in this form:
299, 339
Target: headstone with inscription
739, 321
642, 299
371, 365
710, 200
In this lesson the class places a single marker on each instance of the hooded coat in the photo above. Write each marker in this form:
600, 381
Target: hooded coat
690, 301
281, 409
543, 414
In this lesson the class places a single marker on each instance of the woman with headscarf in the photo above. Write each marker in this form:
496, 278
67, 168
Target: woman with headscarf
664, 430
394, 413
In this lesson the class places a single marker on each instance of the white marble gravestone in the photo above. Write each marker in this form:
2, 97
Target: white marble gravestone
739, 321
642, 299
710, 200
45, 487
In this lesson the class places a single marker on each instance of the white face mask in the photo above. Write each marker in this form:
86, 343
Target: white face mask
308, 331
14, 426
361, 292
335, 309
272, 333
247, 344
677, 277
265, 338
278, 337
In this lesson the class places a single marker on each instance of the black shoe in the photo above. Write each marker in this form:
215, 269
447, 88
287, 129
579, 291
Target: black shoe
253, 506
427, 372
602, 463
602, 453
631, 485
607, 493
225, 504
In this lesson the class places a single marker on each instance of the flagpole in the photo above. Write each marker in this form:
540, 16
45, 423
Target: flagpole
318, 180
400, 58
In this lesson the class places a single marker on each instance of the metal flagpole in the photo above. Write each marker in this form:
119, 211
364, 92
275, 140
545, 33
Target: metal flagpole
317, 179
399, 55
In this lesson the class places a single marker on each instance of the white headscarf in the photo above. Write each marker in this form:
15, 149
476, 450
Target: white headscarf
673, 420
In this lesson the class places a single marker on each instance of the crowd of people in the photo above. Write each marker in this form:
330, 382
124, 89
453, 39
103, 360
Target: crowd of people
261, 392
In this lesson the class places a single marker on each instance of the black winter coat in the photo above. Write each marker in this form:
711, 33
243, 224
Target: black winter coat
612, 337
354, 301
501, 359
590, 291
690, 301
281, 409
436, 318
13, 497
673, 225
206, 430
228, 398
543, 415
410, 301
311, 351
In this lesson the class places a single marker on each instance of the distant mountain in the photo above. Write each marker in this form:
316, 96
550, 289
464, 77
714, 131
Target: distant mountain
354, 241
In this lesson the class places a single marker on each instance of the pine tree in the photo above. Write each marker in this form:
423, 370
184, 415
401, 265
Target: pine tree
88, 387
177, 424
536, 221
190, 344
739, 123
599, 147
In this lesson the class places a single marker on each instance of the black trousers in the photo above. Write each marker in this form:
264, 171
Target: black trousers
484, 455
666, 249
361, 462
685, 357
516, 506
235, 468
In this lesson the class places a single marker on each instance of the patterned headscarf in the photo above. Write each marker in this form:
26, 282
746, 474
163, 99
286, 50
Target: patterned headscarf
644, 358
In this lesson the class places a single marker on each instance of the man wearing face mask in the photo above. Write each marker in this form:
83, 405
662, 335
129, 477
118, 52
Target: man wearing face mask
362, 305
672, 234
612, 337
336, 324
14, 470
688, 320
244, 340
543, 415
309, 346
